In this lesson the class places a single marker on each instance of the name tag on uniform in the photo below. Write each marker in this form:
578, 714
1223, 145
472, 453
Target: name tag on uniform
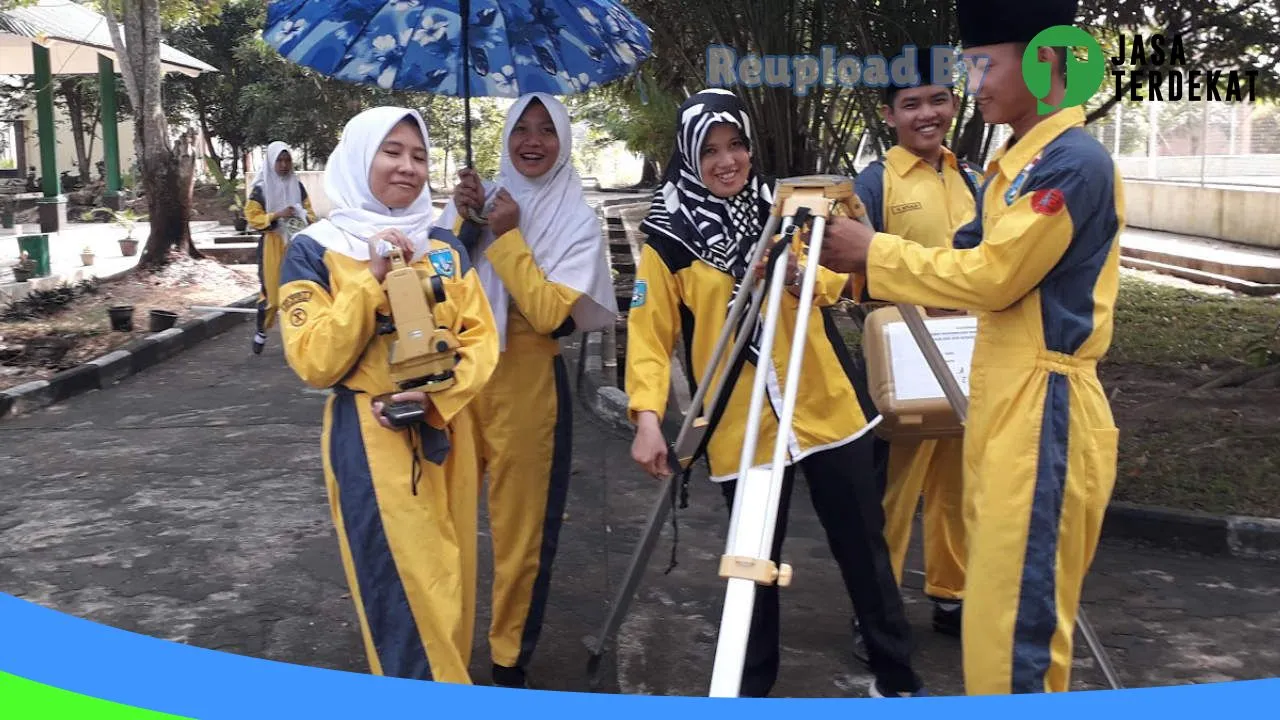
905, 208
442, 261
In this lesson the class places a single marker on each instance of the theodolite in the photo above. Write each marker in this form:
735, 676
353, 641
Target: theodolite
424, 353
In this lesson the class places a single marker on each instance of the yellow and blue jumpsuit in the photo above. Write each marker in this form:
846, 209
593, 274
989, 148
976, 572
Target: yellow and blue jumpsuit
404, 502
271, 250
1040, 265
679, 295
525, 416
907, 197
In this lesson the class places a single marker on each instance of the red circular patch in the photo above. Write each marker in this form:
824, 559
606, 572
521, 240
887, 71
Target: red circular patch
1048, 202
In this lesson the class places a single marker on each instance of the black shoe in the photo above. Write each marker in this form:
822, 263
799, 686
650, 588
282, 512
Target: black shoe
946, 617
510, 677
878, 692
259, 341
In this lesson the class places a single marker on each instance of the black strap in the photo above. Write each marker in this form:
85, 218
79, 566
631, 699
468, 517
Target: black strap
729, 381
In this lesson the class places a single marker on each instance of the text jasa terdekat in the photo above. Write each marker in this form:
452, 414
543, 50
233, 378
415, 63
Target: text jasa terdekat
1159, 70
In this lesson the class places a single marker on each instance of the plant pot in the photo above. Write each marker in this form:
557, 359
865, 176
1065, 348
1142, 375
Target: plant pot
241, 224
162, 320
6, 219
22, 275
129, 248
86, 259
121, 317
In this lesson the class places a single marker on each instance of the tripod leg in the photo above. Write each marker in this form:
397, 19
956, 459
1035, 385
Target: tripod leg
747, 552
685, 443
635, 570
1099, 653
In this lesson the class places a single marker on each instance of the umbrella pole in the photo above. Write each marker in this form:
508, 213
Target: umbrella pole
465, 8
469, 234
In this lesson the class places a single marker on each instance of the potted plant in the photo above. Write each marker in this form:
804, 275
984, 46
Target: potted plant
240, 222
126, 219
25, 268
6, 213
86, 255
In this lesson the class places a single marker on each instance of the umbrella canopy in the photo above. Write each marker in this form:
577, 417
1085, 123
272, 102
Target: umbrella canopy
516, 46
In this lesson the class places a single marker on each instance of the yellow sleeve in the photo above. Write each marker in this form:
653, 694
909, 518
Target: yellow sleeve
324, 333
1014, 256
478, 339
545, 304
255, 213
653, 324
311, 213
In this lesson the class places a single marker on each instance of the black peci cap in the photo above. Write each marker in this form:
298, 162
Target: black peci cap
992, 22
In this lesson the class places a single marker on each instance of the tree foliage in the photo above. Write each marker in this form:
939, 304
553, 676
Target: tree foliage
822, 130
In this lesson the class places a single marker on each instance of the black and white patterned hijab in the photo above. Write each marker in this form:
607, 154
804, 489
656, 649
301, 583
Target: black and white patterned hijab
718, 231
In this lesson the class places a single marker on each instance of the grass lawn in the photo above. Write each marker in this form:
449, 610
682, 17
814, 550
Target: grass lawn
1215, 450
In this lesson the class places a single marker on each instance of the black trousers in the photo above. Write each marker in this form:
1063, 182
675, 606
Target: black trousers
845, 492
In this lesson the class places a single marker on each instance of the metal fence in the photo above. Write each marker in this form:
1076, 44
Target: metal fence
1201, 143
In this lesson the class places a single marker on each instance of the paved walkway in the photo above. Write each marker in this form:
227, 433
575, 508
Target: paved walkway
187, 503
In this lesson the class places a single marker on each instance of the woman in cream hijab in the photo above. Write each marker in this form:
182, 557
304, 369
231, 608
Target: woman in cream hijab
403, 500
542, 263
277, 205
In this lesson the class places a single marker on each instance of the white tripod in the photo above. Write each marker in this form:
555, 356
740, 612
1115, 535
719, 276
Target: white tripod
746, 562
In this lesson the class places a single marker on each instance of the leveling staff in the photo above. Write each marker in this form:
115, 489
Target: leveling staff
1041, 265
921, 192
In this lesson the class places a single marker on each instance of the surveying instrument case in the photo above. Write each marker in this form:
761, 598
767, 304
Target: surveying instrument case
746, 560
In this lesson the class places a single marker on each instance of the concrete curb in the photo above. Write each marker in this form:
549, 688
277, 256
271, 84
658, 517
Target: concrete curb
1205, 533
104, 371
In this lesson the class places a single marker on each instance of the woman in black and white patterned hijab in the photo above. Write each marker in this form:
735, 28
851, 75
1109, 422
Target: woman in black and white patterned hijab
717, 219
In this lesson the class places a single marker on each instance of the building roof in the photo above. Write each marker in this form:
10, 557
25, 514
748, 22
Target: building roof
75, 36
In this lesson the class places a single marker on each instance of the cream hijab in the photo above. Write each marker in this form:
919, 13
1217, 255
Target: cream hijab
357, 214
280, 191
560, 228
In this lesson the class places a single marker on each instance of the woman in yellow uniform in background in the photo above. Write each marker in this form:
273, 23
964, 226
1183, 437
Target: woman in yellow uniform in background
701, 228
277, 199
543, 267
404, 501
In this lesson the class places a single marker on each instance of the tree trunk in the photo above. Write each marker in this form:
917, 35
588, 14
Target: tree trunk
649, 174
75, 111
970, 145
165, 176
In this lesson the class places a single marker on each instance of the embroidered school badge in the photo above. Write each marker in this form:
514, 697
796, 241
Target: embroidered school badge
1012, 195
1048, 202
640, 295
442, 261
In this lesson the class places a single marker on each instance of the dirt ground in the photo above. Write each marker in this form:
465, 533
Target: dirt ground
37, 348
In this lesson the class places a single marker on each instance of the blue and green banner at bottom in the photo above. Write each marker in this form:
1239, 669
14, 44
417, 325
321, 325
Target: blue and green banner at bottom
22, 699
55, 666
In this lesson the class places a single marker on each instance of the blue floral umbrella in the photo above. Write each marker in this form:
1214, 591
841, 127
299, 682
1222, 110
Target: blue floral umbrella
559, 47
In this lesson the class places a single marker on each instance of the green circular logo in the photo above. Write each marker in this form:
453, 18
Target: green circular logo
1084, 77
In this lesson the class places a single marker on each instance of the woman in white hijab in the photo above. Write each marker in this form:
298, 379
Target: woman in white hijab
277, 207
542, 262
404, 501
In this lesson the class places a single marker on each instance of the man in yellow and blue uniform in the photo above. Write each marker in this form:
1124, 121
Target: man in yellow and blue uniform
1040, 264
922, 192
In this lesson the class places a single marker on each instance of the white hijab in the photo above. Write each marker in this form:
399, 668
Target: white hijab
356, 213
280, 191
560, 228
